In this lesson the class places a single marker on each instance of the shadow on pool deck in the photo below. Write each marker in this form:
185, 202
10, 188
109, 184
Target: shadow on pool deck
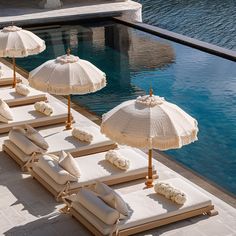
24, 190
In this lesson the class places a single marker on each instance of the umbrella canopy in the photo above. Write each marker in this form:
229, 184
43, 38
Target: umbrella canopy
149, 122
67, 75
16, 42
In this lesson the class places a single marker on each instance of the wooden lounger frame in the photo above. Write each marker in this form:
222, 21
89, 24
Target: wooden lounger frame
75, 153
147, 226
44, 121
26, 100
75, 190
8, 81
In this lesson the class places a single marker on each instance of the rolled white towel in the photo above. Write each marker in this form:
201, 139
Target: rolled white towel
170, 193
22, 89
82, 135
117, 160
180, 198
6, 114
43, 107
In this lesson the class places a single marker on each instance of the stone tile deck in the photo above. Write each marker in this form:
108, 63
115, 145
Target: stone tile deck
28, 12
26, 208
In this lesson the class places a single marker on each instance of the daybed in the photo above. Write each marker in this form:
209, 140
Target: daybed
148, 210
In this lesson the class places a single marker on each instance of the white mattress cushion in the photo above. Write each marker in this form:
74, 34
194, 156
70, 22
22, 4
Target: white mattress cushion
9, 94
147, 206
5, 112
67, 162
100, 169
63, 140
36, 137
23, 114
112, 198
49, 163
23, 143
98, 207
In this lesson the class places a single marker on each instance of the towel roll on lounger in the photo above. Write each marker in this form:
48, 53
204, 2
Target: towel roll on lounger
44, 108
82, 135
22, 89
5, 112
170, 192
117, 160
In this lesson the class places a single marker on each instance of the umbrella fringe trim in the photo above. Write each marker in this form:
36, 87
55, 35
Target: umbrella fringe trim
22, 53
156, 143
76, 89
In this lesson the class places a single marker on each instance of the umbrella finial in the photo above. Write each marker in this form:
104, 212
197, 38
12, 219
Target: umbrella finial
68, 52
150, 92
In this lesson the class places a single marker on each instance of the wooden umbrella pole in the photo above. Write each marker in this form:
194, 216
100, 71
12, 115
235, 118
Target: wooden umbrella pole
149, 181
14, 72
68, 123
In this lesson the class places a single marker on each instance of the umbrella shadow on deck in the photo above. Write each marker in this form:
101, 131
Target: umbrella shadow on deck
19, 190
54, 224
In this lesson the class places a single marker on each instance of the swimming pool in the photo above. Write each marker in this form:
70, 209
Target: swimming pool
209, 21
202, 84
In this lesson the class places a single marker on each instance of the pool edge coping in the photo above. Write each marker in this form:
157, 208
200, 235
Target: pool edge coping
181, 39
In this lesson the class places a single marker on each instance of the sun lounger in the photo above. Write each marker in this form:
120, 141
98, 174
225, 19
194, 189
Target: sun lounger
93, 168
148, 210
12, 98
6, 81
28, 115
63, 140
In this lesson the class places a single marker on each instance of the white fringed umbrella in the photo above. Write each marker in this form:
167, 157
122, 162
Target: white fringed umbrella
16, 42
149, 122
67, 75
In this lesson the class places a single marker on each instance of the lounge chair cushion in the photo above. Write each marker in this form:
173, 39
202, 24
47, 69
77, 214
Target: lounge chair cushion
98, 207
112, 198
44, 108
67, 162
49, 163
117, 160
22, 89
147, 206
82, 135
5, 112
23, 143
36, 137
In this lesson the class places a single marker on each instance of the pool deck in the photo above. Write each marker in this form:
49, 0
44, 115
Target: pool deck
26, 208
26, 12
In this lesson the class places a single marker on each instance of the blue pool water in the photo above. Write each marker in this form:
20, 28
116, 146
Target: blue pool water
202, 84
210, 21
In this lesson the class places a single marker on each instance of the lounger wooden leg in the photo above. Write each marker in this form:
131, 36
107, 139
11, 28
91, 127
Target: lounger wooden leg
212, 212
